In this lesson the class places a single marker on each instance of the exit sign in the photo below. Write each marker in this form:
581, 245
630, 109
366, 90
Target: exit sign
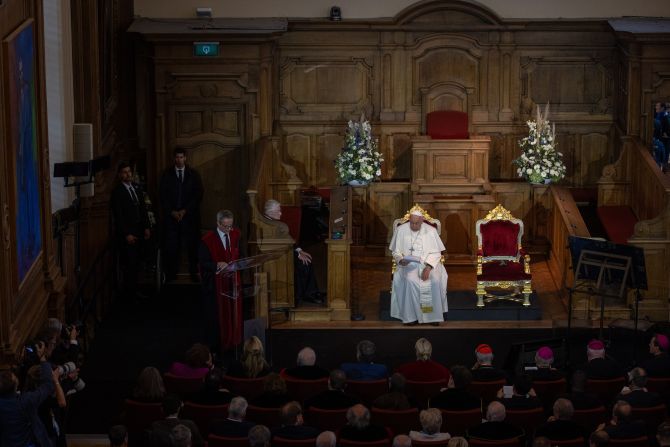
206, 49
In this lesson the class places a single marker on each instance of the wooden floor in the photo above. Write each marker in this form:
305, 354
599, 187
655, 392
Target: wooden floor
371, 274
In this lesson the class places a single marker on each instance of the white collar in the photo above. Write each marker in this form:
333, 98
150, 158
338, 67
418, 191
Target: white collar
221, 233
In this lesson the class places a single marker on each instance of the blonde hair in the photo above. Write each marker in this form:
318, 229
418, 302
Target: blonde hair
423, 349
431, 420
253, 357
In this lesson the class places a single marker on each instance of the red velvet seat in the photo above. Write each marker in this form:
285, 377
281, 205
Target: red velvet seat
529, 420
511, 442
399, 421
605, 389
245, 387
324, 419
548, 390
139, 415
618, 222
182, 386
301, 389
291, 215
264, 416
367, 390
284, 442
501, 261
660, 385
203, 415
590, 418
642, 441
416, 443
486, 390
652, 416
350, 443
577, 442
447, 125
225, 441
423, 391
456, 422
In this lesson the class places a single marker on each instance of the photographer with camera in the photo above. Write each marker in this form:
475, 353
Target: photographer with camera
20, 423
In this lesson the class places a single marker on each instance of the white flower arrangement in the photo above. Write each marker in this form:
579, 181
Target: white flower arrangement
540, 162
359, 159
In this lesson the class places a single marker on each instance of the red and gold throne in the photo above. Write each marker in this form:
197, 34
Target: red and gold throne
502, 264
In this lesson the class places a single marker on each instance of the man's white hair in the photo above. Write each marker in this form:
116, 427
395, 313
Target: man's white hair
326, 439
306, 357
237, 408
495, 412
271, 205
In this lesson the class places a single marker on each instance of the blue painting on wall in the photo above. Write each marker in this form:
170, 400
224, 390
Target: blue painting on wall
20, 59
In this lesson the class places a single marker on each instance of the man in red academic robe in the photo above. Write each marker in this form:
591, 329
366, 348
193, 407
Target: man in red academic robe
222, 301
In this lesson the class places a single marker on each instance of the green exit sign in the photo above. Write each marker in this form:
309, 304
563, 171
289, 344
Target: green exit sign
206, 49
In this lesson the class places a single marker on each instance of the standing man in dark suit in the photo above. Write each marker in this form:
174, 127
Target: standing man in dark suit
180, 196
131, 227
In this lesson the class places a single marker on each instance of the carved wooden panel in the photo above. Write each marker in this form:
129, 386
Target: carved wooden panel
329, 147
398, 157
458, 223
593, 157
387, 202
299, 155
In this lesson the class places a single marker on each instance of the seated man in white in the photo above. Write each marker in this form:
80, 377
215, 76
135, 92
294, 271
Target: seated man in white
419, 291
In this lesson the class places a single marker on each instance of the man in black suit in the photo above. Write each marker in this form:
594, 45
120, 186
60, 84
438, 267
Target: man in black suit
235, 425
560, 426
495, 428
306, 368
659, 363
456, 396
180, 195
292, 423
622, 425
599, 366
636, 394
160, 430
131, 226
358, 426
334, 397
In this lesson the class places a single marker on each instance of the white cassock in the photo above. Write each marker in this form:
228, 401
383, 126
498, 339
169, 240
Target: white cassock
413, 299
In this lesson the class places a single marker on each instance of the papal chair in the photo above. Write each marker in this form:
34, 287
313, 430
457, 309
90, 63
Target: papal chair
404, 220
502, 264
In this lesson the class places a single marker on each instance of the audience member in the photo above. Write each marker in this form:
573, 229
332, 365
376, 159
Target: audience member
198, 362
19, 423
599, 366
431, 422
161, 430
365, 368
252, 363
663, 434
234, 425
458, 441
541, 441
52, 411
326, 439
560, 425
259, 436
424, 369
523, 395
581, 400
334, 397
181, 436
599, 438
483, 370
622, 426
306, 366
292, 423
150, 387
396, 398
544, 359
213, 392
636, 394
495, 428
402, 441
67, 347
659, 363
456, 396
274, 393
358, 426
118, 436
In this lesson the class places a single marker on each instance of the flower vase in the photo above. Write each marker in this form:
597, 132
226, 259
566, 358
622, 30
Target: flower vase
358, 183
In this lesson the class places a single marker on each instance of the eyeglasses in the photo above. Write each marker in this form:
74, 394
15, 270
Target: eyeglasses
226, 227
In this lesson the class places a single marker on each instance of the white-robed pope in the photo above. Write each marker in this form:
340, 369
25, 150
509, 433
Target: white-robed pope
419, 290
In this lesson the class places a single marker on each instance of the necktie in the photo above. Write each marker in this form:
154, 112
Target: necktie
132, 194
226, 242
180, 175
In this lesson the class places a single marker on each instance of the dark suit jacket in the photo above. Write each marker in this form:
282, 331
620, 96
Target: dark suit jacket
488, 374
296, 432
521, 402
561, 430
230, 428
369, 433
212, 397
160, 431
640, 398
455, 399
191, 192
583, 401
658, 365
307, 372
271, 400
495, 430
393, 400
545, 374
129, 217
603, 369
626, 430
331, 400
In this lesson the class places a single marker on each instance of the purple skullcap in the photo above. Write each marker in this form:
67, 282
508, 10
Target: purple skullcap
596, 345
545, 353
662, 341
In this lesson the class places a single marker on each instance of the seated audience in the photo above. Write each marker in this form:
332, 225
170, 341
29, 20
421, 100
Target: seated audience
431, 422
622, 426
292, 423
181, 436
234, 425
581, 400
334, 397
456, 396
544, 359
150, 387
274, 393
252, 362
458, 441
365, 368
396, 398
598, 365
523, 395
358, 426
599, 438
659, 363
402, 441
663, 434
198, 362
213, 392
306, 368
541, 441
560, 425
326, 439
483, 370
161, 430
118, 436
495, 428
636, 394
423, 369
259, 436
